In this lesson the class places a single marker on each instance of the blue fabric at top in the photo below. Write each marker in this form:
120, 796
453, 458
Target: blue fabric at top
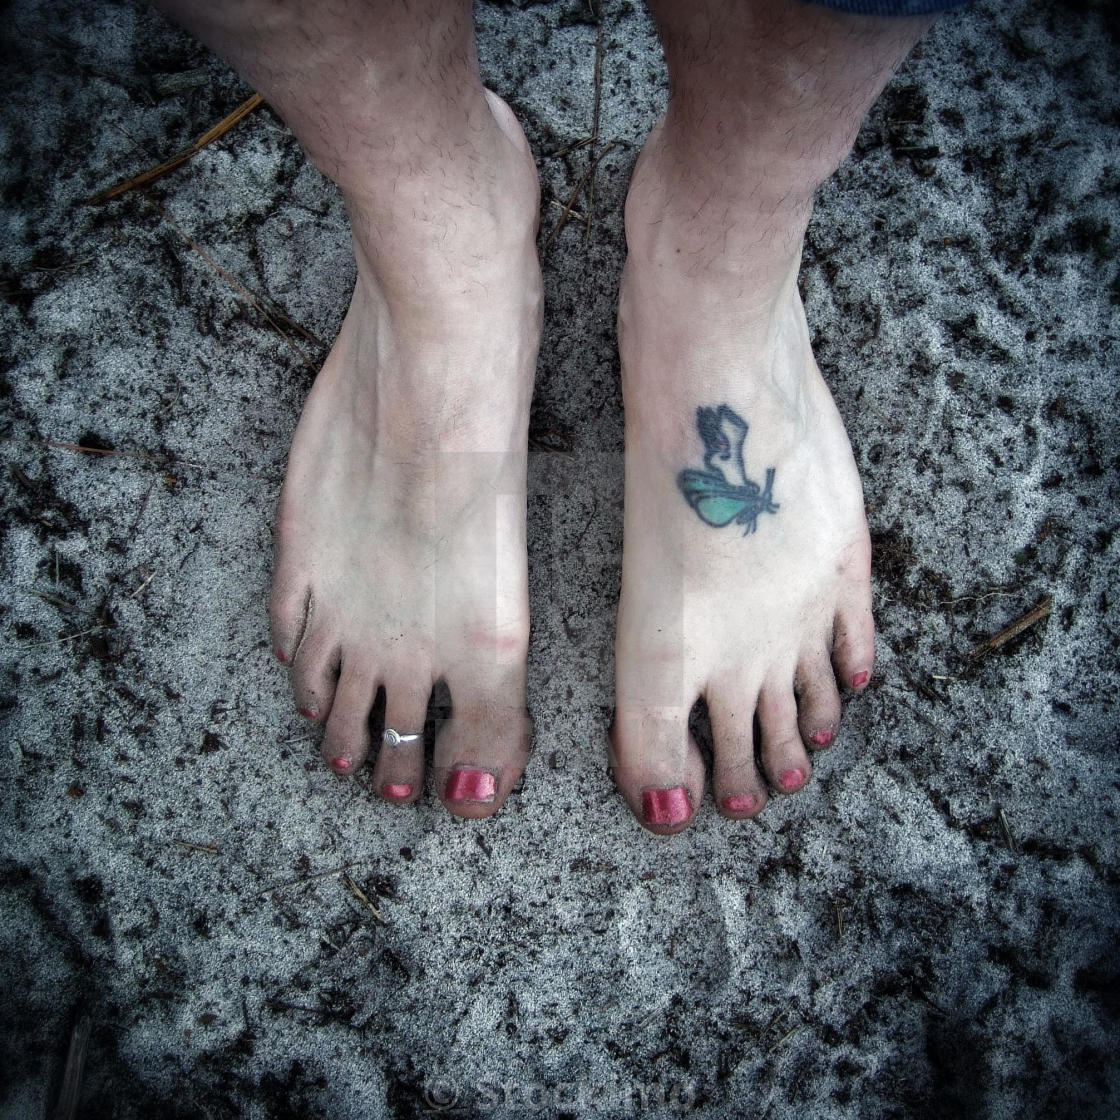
891, 7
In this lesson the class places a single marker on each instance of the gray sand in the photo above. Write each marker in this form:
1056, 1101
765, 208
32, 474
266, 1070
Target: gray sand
930, 928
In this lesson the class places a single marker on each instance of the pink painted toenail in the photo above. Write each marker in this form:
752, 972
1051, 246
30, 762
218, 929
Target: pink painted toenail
281, 656
860, 678
309, 713
740, 803
823, 737
341, 763
666, 806
470, 785
791, 779
396, 791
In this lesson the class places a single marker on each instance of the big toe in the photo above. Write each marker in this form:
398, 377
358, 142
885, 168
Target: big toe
482, 750
657, 766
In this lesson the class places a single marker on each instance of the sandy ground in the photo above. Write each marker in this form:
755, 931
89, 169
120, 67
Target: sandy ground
931, 928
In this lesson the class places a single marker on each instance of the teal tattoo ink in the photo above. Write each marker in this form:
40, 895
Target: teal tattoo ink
717, 499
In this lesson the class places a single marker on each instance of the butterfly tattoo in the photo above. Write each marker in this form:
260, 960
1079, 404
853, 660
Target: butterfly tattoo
717, 499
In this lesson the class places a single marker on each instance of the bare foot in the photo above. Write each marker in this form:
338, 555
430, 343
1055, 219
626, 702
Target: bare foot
400, 534
746, 564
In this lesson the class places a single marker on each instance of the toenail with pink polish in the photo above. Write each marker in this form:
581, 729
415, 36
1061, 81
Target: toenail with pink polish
823, 737
860, 678
396, 791
281, 656
740, 803
791, 779
341, 763
309, 713
470, 785
666, 806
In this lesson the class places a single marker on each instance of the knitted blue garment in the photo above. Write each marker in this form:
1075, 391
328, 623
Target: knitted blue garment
891, 7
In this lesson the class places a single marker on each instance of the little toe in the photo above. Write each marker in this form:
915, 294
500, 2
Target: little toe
481, 751
853, 642
784, 758
315, 675
289, 607
739, 788
398, 774
818, 701
346, 742
657, 766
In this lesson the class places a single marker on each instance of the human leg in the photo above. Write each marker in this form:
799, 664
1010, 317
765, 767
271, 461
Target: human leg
400, 541
764, 614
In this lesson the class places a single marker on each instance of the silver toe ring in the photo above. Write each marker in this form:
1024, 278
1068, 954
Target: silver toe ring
390, 737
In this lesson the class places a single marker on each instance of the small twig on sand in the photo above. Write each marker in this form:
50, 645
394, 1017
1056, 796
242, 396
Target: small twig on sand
311, 878
573, 147
1036, 614
57, 601
211, 848
915, 711
995, 593
220, 129
240, 288
660, 1006
892, 426
784, 1039
283, 1005
144, 584
571, 214
839, 917
68, 267
576, 193
162, 461
362, 897
67, 1107
1008, 835
140, 509
59, 445
64, 638
594, 129
924, 690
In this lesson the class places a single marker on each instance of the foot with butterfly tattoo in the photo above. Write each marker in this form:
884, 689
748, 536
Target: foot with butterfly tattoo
746, 559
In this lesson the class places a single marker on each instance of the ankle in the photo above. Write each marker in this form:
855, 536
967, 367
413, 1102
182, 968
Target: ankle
741, 217
451, 219
400, 153
753, 154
